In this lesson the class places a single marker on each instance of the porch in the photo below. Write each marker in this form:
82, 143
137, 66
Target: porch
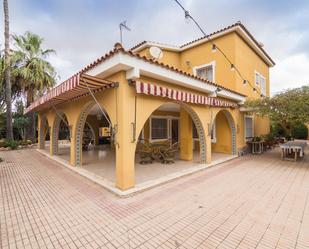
99, 166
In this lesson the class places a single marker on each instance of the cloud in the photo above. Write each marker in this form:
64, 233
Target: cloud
290, 72
81, 31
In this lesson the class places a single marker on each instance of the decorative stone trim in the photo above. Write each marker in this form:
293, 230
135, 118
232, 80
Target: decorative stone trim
200, 130
79, 133
42, 134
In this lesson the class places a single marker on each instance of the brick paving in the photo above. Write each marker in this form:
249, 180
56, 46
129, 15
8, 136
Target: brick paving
251, 202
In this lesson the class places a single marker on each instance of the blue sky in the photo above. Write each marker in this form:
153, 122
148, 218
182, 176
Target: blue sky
82, 30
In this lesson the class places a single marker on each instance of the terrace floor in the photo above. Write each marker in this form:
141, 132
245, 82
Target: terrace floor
249, 202
100, 161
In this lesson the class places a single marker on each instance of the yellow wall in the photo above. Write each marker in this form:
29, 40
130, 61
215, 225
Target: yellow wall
121, 110
223, 135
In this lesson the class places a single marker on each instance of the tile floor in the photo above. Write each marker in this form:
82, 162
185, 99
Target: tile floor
250, 202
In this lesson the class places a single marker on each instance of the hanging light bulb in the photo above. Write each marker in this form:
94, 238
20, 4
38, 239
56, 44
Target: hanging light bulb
245, 82
232, 67
187, 16
214, 48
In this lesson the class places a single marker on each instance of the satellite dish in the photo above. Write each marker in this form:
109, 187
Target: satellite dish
155, 52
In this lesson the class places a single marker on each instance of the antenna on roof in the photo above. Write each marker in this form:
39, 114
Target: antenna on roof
122, 26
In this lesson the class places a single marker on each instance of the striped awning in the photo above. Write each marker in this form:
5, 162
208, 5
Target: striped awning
74, 87
173, 94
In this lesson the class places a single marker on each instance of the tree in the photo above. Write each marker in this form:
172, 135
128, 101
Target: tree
7, 72
33, 72
289, 107
20, 120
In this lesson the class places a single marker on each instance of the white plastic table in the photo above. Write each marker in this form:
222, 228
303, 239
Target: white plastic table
292, 150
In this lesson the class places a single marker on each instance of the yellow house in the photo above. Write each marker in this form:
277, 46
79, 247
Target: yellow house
189, 96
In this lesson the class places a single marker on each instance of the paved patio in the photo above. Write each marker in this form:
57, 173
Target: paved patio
250, 202
101, 161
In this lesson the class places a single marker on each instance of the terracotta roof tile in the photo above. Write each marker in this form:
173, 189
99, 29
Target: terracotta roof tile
119, 49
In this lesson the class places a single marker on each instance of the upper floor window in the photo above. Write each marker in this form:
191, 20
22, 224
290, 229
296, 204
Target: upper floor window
260, 81
206, 71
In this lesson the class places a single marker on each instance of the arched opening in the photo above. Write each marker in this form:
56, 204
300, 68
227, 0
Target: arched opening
44, 134
172, 140
223, 135
61, 136
95, 150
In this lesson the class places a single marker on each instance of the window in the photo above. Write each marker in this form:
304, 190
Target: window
206, 71
159, 128
249, 127
257, 79
260, 81
263, 85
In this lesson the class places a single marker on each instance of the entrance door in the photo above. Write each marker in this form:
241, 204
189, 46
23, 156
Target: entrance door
174, 130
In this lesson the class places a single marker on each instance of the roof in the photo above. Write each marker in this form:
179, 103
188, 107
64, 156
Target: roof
238, 26
119, 49
76, 83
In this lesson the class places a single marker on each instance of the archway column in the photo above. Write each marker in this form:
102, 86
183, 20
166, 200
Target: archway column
186, 137
53, 139
41, 131
125, 147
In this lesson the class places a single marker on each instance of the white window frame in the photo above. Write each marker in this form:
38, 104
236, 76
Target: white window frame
245, 128
169, 127
259, 81
265, 85
212, 63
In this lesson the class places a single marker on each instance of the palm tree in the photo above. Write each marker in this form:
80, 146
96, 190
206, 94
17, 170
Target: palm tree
7, 72
33, 72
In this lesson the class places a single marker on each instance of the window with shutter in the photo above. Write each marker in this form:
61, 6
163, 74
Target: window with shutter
159, 128
249, 127
206, 71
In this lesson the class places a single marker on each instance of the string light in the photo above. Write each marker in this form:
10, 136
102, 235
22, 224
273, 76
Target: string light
216, 48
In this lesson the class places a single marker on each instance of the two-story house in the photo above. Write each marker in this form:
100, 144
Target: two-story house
188, 96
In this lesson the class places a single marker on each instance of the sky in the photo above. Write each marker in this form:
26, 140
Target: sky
83, 30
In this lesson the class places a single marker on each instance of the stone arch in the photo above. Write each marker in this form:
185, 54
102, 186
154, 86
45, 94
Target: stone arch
79, 131
43, 129
232, 126
196, 120
55, 132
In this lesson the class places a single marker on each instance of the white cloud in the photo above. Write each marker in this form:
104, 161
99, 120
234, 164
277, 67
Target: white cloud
290, 72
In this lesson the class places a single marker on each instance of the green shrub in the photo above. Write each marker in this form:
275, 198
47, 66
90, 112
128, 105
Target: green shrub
269, 137
2, 143
277, 130
11, 144
299, 131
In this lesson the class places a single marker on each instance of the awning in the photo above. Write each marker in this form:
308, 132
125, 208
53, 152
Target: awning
173, 94
74, 87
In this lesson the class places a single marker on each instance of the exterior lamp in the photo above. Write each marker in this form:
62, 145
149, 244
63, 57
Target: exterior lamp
187, 16
232, 67
214, 48
254, 90
245, 82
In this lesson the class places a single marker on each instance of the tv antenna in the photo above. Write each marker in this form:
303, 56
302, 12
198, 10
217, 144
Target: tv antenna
123, 26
